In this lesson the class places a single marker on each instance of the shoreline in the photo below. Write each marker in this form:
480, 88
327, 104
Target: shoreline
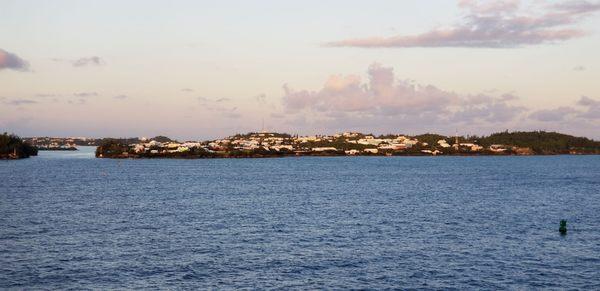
131, 157
274, 145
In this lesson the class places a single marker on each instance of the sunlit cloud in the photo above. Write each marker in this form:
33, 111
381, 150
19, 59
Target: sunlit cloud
384, 95
388, 104
494, 24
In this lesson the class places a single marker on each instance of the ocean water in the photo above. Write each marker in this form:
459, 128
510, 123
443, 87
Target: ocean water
70, 221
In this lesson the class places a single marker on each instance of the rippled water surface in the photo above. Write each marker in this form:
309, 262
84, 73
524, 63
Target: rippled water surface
68, 220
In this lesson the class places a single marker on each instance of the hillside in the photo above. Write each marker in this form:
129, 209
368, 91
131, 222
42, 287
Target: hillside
542, 142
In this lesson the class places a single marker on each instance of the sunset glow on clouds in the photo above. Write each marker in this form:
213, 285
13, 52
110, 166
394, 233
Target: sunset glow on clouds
495, 24
198, 70
384, 97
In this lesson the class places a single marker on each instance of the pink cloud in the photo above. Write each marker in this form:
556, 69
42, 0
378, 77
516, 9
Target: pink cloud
493, 24
384, 96
12, 62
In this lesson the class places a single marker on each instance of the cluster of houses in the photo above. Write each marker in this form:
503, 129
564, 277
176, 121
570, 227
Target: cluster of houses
348, 143
156, 147
59, 143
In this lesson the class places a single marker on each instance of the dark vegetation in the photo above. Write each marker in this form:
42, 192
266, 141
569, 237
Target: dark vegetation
432, 138
541, 142
13, 147
111, 148
162, 138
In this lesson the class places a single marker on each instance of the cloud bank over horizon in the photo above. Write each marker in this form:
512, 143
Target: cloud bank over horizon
384, 102
494, 24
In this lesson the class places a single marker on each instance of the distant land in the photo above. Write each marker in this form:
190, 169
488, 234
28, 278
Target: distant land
272, 144
13, 147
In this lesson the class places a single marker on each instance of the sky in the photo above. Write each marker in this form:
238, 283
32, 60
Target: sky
200, 70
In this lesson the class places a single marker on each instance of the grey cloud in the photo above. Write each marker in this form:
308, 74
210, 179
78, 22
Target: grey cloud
494, 110
577, 6
121, 97
579, 68
592, 108
586, 109
494, 24
45, 95
205, 100
587, 101
79, 101
261, 98
10, 61
218, 105
88, 61
19, 102
187, 90
553, 115
232, 115
228, 112
85, 94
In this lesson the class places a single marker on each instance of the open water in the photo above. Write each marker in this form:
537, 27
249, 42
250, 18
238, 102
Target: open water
70, 221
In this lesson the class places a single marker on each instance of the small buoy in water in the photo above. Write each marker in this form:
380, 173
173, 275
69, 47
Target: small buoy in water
563, 227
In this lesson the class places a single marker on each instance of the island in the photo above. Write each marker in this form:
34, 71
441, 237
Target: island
272, 144
13, 147
60, 143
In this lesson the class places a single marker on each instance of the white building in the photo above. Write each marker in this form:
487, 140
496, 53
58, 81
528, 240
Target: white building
324, 149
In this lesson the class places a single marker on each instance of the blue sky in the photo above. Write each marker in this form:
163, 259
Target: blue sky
204, 69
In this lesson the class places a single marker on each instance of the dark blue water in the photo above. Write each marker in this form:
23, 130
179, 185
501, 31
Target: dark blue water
68, 220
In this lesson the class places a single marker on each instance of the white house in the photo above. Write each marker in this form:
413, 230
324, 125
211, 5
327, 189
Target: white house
324, 149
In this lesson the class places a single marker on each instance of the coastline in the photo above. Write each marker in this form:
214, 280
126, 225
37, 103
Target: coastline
175, 157
275, 145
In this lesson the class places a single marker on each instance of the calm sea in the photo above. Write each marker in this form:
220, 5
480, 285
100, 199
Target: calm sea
69, 221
